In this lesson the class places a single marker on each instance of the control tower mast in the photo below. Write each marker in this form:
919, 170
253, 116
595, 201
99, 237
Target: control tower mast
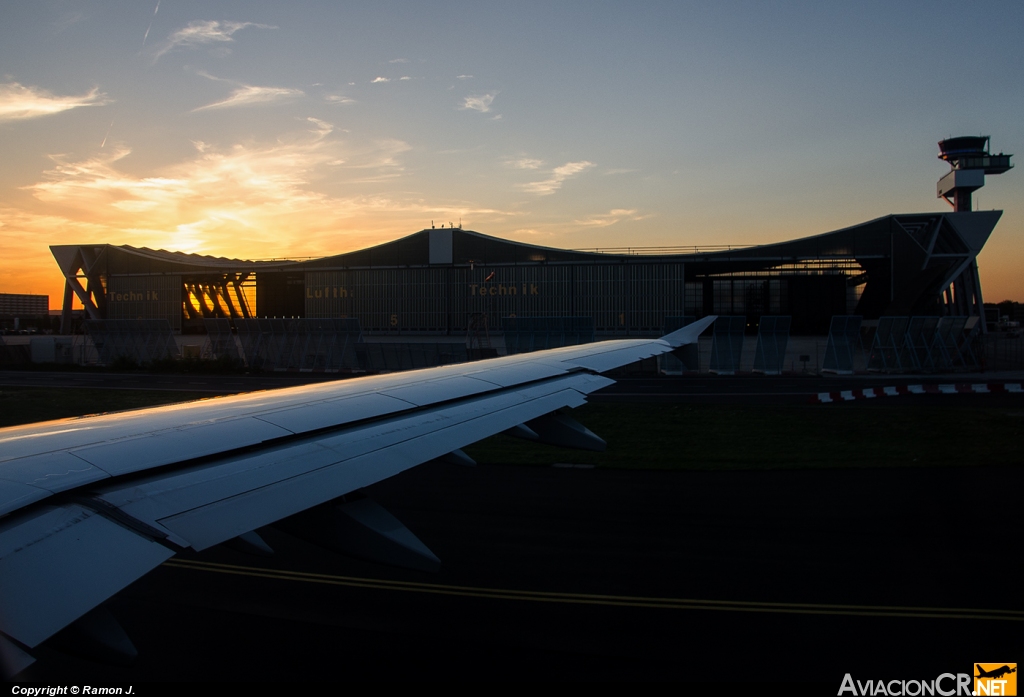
970, 161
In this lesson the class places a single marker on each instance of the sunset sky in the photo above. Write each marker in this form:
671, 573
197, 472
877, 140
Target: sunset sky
267, 129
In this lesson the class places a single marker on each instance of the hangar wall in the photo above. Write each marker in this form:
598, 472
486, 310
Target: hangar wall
145, 297
618, 297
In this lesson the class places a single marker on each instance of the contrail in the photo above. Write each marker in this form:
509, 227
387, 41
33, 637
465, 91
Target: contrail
108, 133
146, 35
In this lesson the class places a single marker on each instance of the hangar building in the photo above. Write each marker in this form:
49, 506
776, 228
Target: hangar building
443, 281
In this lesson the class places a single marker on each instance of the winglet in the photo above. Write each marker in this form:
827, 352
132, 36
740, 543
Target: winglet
689, 333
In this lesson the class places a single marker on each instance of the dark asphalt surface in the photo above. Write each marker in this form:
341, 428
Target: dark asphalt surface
697, 389
745, 576
911, 554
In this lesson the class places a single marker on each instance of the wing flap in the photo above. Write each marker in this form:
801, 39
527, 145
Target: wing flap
60, 562
15, 495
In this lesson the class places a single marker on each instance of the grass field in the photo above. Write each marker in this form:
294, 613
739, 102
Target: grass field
726, 437
680, 436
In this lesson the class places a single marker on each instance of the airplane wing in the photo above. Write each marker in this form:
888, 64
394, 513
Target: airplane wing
89, 505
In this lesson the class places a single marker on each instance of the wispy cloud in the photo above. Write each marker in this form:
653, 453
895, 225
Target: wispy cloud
405, 77
68, 20
399, 60
338, 99
460, 151
380, 160
463, 77
525, 163
200, 33
557, 178
379, 79
247, 95
610, 218
323, 129
480, 103
18, 101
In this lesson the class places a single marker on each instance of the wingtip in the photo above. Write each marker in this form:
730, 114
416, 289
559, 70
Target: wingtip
689, 333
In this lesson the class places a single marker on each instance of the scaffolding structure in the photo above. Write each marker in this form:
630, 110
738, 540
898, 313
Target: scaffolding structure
844, 343
727, 344
772, 339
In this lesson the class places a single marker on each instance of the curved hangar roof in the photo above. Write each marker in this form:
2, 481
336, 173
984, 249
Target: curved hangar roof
919, 235
928, 234
125, 259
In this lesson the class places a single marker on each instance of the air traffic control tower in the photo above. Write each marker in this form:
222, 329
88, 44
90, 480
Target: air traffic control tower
970, 161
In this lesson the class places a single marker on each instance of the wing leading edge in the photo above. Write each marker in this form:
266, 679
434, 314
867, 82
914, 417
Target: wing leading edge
90, 505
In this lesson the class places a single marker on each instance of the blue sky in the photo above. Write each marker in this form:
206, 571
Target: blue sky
261, 129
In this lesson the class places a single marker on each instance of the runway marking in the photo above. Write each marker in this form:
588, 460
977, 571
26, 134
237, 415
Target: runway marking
594, 599
893, 391
610, 395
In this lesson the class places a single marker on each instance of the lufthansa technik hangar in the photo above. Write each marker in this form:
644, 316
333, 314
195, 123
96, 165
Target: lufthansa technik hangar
449, 280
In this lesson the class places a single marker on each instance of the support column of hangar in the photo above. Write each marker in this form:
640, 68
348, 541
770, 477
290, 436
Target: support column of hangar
77, 263
969, 161
124, 282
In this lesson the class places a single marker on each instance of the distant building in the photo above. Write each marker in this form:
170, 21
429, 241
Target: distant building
447, 281
20, 305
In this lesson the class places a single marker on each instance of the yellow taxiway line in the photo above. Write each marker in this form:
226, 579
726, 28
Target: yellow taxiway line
595, 599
